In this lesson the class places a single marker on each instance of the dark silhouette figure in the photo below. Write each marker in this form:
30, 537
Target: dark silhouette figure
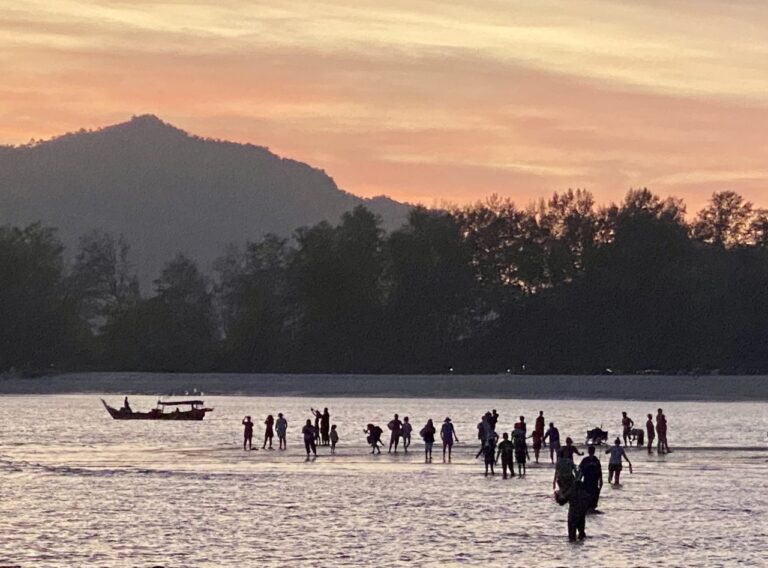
484, 431
626, 424
407, 429
661, 431
579, 501
448, 436
506, 452
539, 426
489, 456
614, 462
554, 441
520, 427
521, 454
318, 417
269, 431
569, 450
592, 476
281, 428
248, 432
428, 435
310, 435
494, 419
396, 428
325, 425
334, 435
373, 437
536, 438
651, 432
126, 406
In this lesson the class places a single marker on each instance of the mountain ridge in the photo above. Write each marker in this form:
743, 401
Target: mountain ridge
169, 191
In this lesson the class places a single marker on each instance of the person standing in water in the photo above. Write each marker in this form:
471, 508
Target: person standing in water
406, 433
592, 476
318, 417
281, 428
569, 449
627, 424
248, 433
428, 435
661, 430
651, 432
554, 441
396, 427
614, 462
325, 425
521, 428
506, 452
269, 432
539, 427
579, 501
334, 436
494, 419
521, 454
537, 438
374, 437
448, 436
483, 432
309, 438
489, 454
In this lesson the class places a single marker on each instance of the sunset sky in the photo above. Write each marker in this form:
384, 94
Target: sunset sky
424, 101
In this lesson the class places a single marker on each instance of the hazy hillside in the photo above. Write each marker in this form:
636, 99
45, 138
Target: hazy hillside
168, 191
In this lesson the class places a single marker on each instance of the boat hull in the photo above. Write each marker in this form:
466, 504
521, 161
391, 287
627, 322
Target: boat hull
156, 414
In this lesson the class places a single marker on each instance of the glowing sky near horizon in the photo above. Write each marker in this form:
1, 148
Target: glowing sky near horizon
424, 101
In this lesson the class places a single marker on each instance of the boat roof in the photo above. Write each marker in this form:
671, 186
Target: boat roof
179, 402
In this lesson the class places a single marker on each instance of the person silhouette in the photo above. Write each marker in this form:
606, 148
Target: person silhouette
428, 435
248, 433
448, 436
308, 431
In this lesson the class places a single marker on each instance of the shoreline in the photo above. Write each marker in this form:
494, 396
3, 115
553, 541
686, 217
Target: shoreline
744, 388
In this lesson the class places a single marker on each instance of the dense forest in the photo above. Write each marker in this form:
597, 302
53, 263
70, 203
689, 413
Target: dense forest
561, 286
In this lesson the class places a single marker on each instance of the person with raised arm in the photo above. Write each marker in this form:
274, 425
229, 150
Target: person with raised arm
248, 433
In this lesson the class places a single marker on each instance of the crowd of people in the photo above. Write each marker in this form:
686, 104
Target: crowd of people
578, 486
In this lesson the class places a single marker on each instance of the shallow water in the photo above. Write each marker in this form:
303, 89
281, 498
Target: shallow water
77, 488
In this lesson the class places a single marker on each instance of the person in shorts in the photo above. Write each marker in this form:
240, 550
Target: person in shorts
405, 433
615, 463
428, 435
448, 436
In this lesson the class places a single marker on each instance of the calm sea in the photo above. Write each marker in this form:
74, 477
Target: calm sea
78, 488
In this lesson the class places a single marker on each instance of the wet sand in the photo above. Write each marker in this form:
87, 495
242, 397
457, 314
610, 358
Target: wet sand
502, 386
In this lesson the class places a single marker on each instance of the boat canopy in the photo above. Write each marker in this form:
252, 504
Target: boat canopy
180, 402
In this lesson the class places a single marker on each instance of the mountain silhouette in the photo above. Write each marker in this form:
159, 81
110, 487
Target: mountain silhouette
167, 191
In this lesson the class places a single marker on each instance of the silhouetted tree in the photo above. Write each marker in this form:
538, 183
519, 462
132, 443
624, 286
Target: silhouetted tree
725, 221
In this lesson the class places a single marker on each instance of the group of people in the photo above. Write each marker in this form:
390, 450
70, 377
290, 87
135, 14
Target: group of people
322, 433
578, 486
652, 432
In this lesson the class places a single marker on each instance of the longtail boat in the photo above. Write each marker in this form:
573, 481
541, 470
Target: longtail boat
196, 411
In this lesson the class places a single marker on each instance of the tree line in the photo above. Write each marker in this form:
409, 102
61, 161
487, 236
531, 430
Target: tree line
561, 286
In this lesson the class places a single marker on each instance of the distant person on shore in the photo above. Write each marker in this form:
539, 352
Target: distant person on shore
318, 417
396, 428
374, 437
325, 425
614, 462
651, 432
539, 427
506, 451
281, 428
269, 431
536, 438
489, 456
406, 433
592, 476
569, 449
248, 433
448, 436
310, 435
661, 431
627, 424
521, 454
334, 436
554, 441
